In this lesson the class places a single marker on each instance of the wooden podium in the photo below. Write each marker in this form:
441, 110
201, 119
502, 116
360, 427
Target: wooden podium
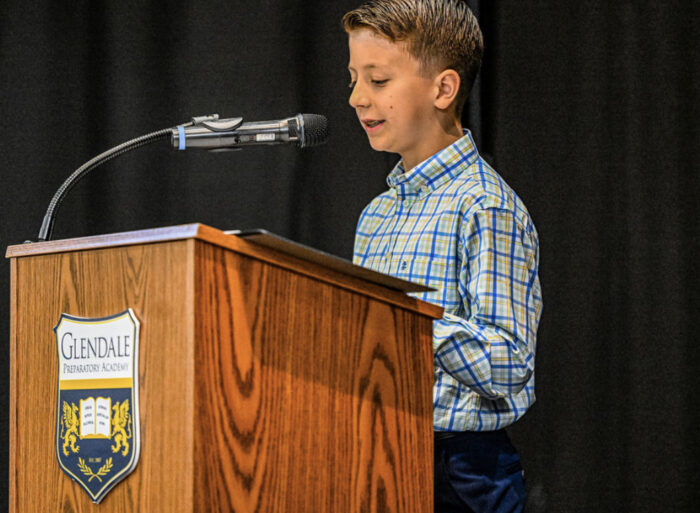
267, 383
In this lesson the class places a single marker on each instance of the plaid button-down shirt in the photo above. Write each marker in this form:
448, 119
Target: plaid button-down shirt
452, 223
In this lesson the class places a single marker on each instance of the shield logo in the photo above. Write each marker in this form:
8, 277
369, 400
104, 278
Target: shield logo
97, 414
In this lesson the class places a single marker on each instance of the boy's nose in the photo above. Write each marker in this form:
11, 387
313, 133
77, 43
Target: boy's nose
357, 97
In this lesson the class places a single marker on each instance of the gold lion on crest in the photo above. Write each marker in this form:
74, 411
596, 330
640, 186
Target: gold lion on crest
69, 427
120, 425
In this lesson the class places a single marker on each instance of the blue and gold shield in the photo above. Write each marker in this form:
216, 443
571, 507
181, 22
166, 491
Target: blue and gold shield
97, 415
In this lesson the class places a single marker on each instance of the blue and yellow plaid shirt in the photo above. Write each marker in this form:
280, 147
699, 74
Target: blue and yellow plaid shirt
452, 223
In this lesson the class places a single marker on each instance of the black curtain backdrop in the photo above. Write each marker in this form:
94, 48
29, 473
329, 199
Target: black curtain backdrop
588, 109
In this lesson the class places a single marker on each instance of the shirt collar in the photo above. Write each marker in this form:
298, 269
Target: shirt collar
434, 171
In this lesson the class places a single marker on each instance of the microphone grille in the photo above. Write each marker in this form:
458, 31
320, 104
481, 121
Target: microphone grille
314, 131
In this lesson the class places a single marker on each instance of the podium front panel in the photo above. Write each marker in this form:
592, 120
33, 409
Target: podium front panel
156, 281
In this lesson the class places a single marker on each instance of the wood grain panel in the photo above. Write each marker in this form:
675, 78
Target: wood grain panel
12, 421
316, 398
156, 281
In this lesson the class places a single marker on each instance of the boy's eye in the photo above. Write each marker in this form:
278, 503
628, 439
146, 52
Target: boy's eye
380, 82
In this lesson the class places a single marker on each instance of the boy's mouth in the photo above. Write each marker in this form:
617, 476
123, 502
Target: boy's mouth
372, 124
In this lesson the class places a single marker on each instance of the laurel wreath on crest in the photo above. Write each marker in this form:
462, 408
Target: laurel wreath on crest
103, 471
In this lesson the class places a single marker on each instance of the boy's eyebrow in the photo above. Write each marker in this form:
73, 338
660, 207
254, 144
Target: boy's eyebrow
366, 66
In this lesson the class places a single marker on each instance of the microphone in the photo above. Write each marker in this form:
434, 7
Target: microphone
227, 134
207, 132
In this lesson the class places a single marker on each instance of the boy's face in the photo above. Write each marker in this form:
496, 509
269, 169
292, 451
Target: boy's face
393, 100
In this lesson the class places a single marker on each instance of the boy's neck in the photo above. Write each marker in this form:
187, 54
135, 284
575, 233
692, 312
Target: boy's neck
446, 133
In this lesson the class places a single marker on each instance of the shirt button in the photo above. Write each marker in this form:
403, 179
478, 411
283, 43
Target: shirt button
406, 202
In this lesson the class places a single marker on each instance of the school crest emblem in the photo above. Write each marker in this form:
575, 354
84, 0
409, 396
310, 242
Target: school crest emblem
97, 415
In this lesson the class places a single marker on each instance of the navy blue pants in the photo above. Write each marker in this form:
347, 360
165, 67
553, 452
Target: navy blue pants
477, 472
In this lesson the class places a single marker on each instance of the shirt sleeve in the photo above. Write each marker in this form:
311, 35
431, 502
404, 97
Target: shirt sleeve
491, 348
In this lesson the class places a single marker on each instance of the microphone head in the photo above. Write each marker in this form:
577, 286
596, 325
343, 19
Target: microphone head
314, 130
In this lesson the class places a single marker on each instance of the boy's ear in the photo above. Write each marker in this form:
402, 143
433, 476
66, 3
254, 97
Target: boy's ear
447, 84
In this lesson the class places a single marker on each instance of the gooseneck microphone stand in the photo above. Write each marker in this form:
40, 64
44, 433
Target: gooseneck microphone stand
206, 133
70, 182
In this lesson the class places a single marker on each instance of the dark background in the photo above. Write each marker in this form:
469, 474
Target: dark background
589, 110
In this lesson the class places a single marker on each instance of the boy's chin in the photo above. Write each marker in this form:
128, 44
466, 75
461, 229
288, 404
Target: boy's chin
377, 144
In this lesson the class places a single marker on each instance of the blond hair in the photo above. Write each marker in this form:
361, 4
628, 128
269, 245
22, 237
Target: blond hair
440, 34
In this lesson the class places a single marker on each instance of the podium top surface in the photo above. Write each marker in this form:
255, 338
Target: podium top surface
257, 244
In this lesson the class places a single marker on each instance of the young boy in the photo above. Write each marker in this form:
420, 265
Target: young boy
450, 221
